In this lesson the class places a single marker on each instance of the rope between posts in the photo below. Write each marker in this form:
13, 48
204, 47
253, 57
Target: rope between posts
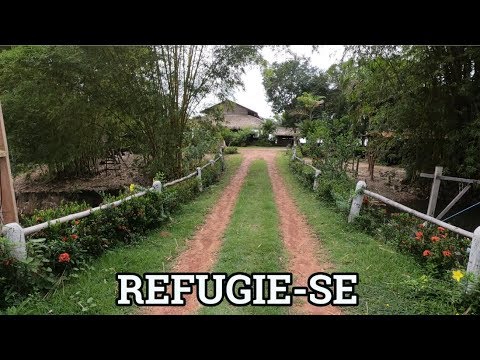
462, 211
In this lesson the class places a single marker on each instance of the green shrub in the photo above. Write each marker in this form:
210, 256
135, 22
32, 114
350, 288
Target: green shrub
242, 137
59, 251
333, 188
230, 150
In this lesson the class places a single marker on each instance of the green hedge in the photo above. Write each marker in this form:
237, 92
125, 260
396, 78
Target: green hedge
230, 150
60, 251
335, 189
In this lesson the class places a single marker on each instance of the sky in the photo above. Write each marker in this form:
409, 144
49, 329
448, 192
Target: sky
254, 97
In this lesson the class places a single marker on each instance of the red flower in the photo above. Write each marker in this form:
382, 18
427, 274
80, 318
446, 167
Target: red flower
65, 257
76, 222
443, 236
435, 238
440, 228
418, 235
426, 253
74, 236
446, 253
421, 226
64, 239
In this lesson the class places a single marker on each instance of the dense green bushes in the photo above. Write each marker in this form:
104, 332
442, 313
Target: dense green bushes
230, 150
60, 251
333, 187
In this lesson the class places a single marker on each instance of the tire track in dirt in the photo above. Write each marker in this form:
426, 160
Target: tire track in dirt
303, 249
202, 249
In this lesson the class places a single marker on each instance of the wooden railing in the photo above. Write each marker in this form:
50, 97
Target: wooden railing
361, 190
16, 233
474, 256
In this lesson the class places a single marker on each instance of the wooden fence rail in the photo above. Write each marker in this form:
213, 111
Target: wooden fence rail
474, 256
317, 171
16, 234
360, 190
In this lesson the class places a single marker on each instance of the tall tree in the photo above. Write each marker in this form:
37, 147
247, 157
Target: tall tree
50, 117
163, 85
286, 82
427, 96
76, 103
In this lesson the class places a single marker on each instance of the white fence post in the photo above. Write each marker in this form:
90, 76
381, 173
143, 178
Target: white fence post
158, 187
315, 181
474, 257
294, 153
199, 177
15, 234
357, 200
212, 162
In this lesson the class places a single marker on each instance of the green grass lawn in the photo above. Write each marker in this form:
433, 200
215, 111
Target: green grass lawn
252, 242
385, 275
94, 291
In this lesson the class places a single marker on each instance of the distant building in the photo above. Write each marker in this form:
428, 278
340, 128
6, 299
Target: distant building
239, 117
284, 136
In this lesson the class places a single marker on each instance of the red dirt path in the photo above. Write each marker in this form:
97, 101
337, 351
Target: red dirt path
202, 249
302, 247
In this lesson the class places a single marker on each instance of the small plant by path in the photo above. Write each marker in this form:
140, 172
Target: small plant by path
94, 291
390, 282
252, 242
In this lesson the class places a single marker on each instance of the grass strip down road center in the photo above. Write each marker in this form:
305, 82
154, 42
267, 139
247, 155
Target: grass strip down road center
252, 242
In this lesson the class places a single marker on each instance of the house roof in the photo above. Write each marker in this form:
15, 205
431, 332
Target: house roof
282, 131
234, 121
232, 102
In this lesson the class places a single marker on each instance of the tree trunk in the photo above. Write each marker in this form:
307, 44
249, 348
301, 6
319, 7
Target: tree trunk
371, 164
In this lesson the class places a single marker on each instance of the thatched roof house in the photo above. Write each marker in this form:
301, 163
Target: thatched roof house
238, 116
282, 131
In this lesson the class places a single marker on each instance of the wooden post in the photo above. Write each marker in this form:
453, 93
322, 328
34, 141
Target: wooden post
199, 177
294, 153
9, 212
315, 181
356, 169
357, 200
158, 187
212, 162
474, 257
222, 158
432, 202
453, 202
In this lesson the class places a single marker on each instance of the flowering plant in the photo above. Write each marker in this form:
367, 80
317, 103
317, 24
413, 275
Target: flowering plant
435, 246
